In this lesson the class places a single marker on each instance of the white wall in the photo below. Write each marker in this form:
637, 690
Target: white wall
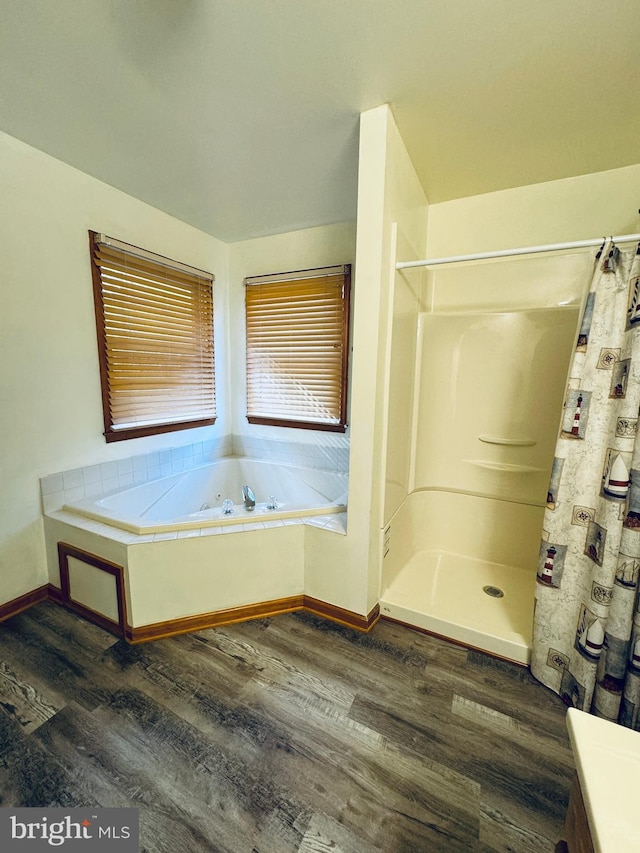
577, 208
50, 401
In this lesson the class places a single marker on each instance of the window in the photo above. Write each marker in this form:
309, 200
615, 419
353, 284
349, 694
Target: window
297, 348
154, 320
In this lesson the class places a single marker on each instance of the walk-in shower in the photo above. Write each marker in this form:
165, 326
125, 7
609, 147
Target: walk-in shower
493, 345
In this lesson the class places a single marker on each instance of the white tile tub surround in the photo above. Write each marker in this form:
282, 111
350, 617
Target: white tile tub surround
94, 480
331, 454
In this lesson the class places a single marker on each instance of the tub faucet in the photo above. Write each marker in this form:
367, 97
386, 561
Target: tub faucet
249, 498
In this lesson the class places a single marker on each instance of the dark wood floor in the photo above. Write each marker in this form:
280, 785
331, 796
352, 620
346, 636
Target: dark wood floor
283, 734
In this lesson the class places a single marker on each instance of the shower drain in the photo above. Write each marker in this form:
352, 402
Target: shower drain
493, 591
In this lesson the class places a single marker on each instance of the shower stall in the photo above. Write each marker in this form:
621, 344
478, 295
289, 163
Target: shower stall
479, 357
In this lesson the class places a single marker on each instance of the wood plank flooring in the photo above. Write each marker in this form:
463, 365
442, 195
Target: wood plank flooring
283, 735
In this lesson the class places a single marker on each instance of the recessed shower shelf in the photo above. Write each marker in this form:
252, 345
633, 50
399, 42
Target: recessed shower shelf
506, 467
511, 442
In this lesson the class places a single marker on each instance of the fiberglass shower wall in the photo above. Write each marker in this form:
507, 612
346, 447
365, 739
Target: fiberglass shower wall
494, 349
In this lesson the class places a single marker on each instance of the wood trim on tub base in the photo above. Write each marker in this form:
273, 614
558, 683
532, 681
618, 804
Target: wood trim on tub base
200, 621
117, 627
261, 610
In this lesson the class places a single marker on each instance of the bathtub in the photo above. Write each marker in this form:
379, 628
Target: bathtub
194, 498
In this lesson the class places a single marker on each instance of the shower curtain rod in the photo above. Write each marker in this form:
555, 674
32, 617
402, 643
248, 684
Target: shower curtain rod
525, 250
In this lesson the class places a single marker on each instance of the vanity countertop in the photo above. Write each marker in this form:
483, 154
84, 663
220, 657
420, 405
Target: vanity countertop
607, 759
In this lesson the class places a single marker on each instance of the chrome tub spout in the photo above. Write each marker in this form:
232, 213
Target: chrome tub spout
248, 498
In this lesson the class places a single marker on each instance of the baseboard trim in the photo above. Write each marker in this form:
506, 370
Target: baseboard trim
55, 594
200, 621
23, 602
339, 614
188, 624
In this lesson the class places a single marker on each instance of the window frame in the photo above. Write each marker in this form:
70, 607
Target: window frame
201, 278
278, 279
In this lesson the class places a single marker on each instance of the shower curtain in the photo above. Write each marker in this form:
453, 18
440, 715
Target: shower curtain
586, 637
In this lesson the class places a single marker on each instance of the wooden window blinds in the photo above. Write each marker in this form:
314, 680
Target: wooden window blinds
154, 319
297, 348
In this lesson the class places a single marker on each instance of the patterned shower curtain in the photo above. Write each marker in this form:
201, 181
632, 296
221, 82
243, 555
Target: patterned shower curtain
586, 638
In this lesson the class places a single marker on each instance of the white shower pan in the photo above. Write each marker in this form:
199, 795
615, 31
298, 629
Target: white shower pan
464, 567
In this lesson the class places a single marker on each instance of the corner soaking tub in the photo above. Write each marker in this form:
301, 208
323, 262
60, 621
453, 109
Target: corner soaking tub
194, 498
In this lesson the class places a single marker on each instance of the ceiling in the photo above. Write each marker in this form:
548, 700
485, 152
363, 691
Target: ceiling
240, 117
